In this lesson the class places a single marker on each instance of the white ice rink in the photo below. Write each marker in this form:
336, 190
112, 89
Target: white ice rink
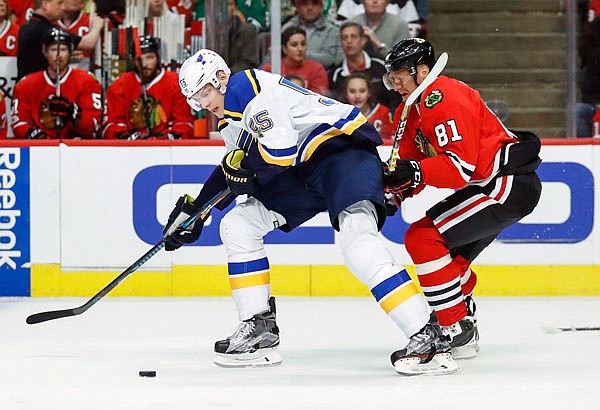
335, 351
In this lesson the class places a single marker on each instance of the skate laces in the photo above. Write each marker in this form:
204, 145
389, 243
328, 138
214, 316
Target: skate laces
243, 330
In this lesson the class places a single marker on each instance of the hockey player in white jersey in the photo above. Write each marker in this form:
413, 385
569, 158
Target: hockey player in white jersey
296, 154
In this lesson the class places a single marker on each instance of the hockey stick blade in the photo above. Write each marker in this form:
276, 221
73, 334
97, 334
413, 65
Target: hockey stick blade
57, 314
550, 329
44, 316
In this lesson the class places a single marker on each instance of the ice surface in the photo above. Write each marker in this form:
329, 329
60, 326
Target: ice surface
335, 351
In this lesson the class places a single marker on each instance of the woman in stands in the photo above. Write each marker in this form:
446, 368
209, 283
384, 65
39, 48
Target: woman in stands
294, 61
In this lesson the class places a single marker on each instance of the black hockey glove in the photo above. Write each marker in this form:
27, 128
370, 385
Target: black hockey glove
241, 181
404, 179
62, 107
35, 134
174, 235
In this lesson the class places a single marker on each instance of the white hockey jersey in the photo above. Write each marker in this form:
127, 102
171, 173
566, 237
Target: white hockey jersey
280, 124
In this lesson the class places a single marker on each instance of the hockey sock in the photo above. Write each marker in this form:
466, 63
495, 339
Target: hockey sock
468, 278
371, 262
439, 274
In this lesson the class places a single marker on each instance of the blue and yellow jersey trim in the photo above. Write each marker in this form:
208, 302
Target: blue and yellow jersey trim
244, 140
284, 157
324, 132
395, 290
241, 89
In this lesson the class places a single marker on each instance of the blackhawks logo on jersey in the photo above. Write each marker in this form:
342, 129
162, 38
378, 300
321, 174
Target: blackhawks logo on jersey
424, 145
146, 114
433, 98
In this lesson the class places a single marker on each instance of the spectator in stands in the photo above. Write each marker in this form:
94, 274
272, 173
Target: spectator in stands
322, 36
185, 7
589, 51
358, 91
9, 32
243, 43
158, 8
29, 57
3, 119
382, 28
59, 101
353, 40
294, 61
256, 13
147, 103
21, 10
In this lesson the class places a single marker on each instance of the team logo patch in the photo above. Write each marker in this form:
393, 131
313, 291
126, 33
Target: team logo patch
424, 145
433, 98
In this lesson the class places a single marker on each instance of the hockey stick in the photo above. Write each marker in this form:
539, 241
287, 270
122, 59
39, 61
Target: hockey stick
550, 329
57, 314
435, 71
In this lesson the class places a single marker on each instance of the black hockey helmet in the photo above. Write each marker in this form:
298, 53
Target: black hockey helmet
150, 44
408, 54
57, 35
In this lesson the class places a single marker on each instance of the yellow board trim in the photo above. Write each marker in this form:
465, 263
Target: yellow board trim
307, 280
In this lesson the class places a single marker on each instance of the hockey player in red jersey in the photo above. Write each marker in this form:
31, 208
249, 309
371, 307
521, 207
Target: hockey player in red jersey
75, 21
9, 32
147, 103
453, 140
21, 9
43, 107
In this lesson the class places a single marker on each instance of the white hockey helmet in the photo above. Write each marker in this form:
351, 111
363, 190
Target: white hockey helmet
199, 70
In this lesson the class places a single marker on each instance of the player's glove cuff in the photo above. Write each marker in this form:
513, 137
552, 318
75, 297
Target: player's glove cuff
241, 181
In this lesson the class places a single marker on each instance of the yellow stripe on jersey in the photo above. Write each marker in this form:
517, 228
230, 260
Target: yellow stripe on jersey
253, 81
398, 297
283, 162
317, 141
240, 282
354, 124
232, 114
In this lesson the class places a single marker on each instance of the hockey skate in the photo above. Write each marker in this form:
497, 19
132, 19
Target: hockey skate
253, 344
464, 335
427, 352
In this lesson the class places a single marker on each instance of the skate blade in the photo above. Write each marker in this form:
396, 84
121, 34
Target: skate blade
260, 358
442, 363
465, 352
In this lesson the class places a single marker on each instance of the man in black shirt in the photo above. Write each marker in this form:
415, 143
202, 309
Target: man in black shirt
29, 50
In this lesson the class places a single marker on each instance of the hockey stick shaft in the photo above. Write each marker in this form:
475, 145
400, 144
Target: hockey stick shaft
549, 329
434, 73
57, 314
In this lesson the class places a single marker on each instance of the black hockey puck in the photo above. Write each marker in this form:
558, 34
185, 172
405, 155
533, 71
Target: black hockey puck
147, 373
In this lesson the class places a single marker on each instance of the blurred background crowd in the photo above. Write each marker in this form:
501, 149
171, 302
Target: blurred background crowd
131, 51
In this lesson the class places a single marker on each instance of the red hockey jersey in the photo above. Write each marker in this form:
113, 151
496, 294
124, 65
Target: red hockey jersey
80, 27
21, 10
381, 119
8, 39
30, 104
165, 110
456, 137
